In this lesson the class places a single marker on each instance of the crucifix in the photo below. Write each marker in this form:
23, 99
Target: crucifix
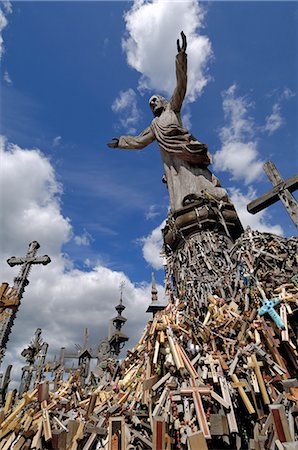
282, 190
10, 297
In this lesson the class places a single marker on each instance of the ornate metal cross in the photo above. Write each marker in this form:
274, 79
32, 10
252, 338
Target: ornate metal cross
10, 297
21, 281
281, 191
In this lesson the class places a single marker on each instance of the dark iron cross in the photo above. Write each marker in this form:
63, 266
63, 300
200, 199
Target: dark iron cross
7, 311
21, 281
282, 190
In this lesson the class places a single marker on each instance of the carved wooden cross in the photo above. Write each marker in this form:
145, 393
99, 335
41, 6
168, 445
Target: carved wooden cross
282, 190
21, 281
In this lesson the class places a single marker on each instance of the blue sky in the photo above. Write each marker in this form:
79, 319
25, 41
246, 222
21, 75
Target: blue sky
76, 74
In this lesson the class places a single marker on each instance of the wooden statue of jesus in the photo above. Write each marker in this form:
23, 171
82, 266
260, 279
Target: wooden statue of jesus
185, 159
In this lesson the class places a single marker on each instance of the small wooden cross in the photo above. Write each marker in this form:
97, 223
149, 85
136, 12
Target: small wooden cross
282, 190
255, 364
240, 386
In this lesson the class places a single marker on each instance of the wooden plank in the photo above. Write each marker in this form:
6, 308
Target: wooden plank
272, 196
158, 433
197, 441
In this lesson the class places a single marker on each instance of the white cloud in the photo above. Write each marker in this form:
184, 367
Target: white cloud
126, 106
288, 93
6, 78
60, 299
30, 200
150, 45
7, 6
154, 211
152, 246
7, 9
274, 121
186, 117
85, 239
56, 141
239, 154
259, 221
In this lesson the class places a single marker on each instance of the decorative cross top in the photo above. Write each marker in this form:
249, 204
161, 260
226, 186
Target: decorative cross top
268, 307
21, 281
281, 191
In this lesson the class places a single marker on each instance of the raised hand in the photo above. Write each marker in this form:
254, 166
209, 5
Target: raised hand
182, 49
113, 144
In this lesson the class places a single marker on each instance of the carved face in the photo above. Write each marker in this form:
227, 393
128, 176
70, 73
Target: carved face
157, 104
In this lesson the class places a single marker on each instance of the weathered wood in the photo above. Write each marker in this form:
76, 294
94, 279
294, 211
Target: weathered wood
282, 190
197, 441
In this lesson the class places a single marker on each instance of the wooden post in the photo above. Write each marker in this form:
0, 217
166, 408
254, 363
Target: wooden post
256, 366
158, 435
280, 423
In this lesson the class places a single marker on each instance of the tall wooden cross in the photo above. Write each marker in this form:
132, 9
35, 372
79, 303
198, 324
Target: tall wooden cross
10, 297
282, 190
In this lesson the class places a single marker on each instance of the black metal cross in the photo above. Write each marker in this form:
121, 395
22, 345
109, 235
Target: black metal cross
21, 281
282, 190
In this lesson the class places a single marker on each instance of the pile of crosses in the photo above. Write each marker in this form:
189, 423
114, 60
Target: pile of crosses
215, 369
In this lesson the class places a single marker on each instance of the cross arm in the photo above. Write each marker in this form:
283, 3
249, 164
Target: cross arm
272, 196
14, 260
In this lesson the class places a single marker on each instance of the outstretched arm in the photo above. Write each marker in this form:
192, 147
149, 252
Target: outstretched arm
133, 142
181, 75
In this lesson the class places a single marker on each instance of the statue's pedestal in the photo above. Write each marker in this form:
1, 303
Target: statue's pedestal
201, 215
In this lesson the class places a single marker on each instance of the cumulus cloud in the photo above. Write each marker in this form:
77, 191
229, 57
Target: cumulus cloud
6, 8
259, 221
60, 299
150, 44
126, 106
239, 154
152, 246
